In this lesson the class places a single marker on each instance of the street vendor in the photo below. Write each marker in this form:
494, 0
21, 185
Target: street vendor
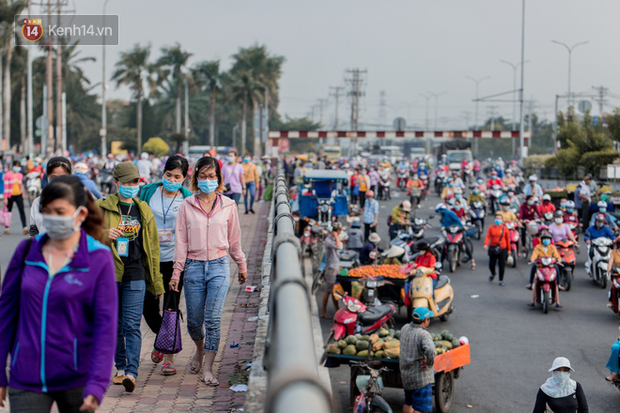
332, 246
417, 356
394, 254
369, 250
399, 217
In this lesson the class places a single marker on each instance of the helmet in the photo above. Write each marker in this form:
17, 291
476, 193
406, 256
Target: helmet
504, 201
546, 197
570, 204
406, 206
543, 227
144, 156
532, 178
479, 177
423, 245
602, 204
356, 224
80, 168
38, 159
370, 193
600, 218
440, 207
558, 214
545, 235
110, 156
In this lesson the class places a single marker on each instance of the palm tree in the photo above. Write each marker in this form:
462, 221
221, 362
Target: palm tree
174, 58
245, 90
207, 74
131, 70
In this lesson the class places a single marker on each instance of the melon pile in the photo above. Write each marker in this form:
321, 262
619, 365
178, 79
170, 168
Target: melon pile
383, 344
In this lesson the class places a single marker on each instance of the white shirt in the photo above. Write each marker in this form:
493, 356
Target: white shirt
36, 218
585, 190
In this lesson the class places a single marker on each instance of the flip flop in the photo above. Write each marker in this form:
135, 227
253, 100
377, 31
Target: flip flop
531, 305
195, 367
212, 382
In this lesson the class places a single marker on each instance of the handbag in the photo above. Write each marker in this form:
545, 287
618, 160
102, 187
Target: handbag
5, 217
168, 340
495, 250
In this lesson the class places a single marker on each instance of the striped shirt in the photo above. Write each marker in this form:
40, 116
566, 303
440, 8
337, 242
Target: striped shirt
416, 344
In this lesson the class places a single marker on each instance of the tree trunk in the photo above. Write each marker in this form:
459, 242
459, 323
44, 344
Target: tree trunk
257, 133
243, 128
178, 114
2, 141
51, 146
212, 122
7, 93
139, 122
22, 118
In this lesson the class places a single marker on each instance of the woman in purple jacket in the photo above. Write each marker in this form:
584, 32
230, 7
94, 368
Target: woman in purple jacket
58, 308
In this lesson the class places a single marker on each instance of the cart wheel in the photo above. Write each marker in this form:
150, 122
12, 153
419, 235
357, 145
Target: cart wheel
409, 314
444, 389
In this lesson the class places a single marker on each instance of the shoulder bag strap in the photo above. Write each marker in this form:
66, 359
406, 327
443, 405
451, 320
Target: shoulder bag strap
501, 235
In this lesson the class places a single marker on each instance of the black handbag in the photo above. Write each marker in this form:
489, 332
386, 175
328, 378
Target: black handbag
495, 250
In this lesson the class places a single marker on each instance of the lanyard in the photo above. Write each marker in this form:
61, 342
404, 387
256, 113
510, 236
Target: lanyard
128, 211
162, 205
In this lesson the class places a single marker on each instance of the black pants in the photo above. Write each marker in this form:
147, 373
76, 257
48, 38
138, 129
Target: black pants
367, 230
19, 200
26, 401
585, 214
500, 260
151, 311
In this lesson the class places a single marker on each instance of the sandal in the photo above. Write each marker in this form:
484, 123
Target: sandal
531, 305
212, 382
558, 306
168, 369
473, 264
156, 356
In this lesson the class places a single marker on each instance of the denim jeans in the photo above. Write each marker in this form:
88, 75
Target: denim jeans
235, 196
26, 401
250, 190
129, 337
206, 286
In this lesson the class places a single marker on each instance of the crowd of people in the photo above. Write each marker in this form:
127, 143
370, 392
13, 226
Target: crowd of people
95, 263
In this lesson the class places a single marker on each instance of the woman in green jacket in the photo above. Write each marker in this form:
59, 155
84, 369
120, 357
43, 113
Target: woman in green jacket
133, 237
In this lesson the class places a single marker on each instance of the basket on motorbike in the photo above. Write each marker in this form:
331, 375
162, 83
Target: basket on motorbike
532, 227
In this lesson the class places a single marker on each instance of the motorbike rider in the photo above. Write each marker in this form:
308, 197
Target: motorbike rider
528, 212
448, 219
610, 219
509, 179
513, 200
560, 231
110, 163
457, 181
475, 196
367, 256
599, 229
533, 188
355, 241
399, 217
482, 187
448, 191
614, 261
384, 179
570, 216
544, 249
415, 183
546, 205
81, 171
494, 180
506, 213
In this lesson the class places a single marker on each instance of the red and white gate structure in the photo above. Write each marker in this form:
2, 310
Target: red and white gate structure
466, 134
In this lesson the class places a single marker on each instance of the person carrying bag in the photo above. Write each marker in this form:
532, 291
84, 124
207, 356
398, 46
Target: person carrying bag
497, 244
168, 340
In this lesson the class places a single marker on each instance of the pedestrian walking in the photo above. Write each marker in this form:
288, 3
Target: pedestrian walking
165, 199
417, 356
207, 226
560, 392
497, 244
234, 183
14, 194
59, 308
250, 176
371, 214
333, 244
135, 246
56, 166
364, 185
583, 197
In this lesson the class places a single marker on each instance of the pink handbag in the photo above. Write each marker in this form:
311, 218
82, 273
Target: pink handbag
5, 217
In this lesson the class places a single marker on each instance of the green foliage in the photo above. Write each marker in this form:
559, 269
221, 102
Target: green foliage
156, 146
536, 161
594, 161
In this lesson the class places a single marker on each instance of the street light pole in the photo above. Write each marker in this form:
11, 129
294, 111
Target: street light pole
104, 120
426, 96
514, 96
522, 147
436, 96
570, 53
477, 81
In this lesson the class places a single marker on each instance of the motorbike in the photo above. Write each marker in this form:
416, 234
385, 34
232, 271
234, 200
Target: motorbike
615, 290
424, 179
370, 387
440, 181
33, 184
415, 197
310, 237
515, 237
106, 181
455, 245
476, 217
548, 218
401, 179
531, 230
569, 259
421, 293
467, 174
574, 227
600, 260
354, 317
545, 281
325, 212
494, 195
385, 190
348, 259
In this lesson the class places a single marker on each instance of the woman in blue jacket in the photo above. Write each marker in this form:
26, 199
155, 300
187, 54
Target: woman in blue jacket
58, 308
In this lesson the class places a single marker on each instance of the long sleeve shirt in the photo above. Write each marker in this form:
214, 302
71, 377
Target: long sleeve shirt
416, 344
496, 237
575, 402
449, 218
528, 212
594, 233
542, 251
249, 172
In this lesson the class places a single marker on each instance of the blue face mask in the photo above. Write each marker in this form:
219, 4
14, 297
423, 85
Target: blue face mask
451, 185
246, 159
128, 191
530, 202
171, 186
476, 191
208, 185
602, 210
457, 207
569, 210
480, 181
17, 169
498, 222
562, 205
546, 241
230, 159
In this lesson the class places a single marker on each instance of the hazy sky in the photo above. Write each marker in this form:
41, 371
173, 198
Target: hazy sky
408, 47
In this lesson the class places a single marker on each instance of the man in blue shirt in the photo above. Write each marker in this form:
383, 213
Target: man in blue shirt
602, 209
81, 171
371, 214
448, 219
533, 188
598, 230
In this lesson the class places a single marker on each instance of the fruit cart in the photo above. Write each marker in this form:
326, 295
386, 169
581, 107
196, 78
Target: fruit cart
447, 368
393, 288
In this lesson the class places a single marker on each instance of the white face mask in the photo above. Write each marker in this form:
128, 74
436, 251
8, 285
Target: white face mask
559, 220
61, 227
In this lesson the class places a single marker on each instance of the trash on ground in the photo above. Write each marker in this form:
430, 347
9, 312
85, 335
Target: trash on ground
234, 345
475, 296
253, 319
239, 387
251, 288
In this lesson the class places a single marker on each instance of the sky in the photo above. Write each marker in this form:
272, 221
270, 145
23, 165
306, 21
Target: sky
408, 48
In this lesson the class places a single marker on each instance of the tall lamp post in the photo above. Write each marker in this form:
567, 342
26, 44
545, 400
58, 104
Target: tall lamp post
514, 94
436, 96
570, 53
104, 120
477, 81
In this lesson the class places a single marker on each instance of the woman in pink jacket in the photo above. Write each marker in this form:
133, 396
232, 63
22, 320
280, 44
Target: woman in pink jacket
207, 230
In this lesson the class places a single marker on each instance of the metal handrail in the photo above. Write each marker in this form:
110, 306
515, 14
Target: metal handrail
294, 384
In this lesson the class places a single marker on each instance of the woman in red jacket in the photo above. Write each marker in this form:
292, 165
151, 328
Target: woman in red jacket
497, 235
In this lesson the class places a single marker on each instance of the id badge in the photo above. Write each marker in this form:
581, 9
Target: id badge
165, 235
122, 247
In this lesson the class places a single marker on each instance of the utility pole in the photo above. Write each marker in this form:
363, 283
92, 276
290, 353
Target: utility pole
602, 92
104, 118
59, 118
30, 112
355, 86
477, 82
428, 97
521, 126
436, 96
492, 111
531, 104
185, 121
514, 96
51, 144
335, 92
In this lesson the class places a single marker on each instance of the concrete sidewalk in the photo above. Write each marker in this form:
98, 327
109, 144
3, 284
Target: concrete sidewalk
184, 392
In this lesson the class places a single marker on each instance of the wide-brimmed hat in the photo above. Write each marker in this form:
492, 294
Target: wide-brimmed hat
560, 362
395, 251
374, 237
406, 206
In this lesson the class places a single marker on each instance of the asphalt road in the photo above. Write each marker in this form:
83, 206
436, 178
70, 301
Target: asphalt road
8, 243
512, 345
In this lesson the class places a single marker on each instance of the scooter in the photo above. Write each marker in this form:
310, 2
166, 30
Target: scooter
600, 260
421, 293
455, 245
573, 224
310, 237
415, 197
440, 181
370, 387
569, 259
614, 294
531, 229
325, 211
424, 179
514, 236
476, 217
401, 179
494, 195
548, 218
385, 190
33, 184
106, 182
545, 280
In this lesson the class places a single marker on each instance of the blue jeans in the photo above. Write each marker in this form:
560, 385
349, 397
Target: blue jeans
235, 196
250, 189
129, 337
206, 285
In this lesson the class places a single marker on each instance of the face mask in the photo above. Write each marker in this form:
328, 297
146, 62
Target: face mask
230, 159
546, 241
451, 185
246, 159
476, 191
457, 207
546, 202
505, 208
415, 178
603, 210
559, 220
61, 227
479, 181
530, 202
511, 194
493, 176
561, 376
599, 225
208, 185
498, 222
128, 191
569, 210
562, 205
17, 169
457, 196
171, 186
